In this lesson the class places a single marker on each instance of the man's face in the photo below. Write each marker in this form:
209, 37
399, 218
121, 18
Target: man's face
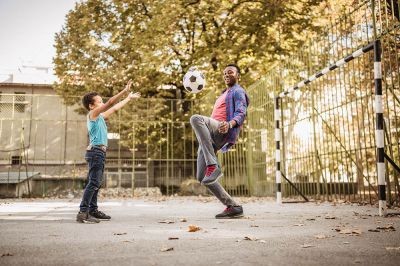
97, 102
231, 76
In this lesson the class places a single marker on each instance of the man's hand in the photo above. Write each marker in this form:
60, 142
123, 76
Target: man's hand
223, 127
134, 95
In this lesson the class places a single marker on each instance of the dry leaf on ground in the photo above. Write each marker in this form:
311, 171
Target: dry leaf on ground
251, 238
392, 248
328, 217
193, 228
387, 228
350, 232
166, 249
166, 222
321, 236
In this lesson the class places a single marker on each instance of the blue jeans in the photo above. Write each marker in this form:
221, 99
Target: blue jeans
95, 159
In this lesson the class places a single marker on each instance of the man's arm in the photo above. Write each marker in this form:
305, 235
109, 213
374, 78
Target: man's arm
241, 102
97, 111
119, 105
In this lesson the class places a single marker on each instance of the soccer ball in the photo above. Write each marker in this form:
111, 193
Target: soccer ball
194, 80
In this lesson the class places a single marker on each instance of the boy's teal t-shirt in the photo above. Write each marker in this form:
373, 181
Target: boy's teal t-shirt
97, 130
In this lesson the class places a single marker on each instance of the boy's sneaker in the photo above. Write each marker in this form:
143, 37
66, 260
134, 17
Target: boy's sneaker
231, 212
213, 173
100, 215
85, 217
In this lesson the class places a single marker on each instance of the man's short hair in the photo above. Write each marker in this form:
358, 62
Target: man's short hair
235, 66
88, 98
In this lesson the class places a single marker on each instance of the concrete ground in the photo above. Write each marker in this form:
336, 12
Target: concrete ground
155, 232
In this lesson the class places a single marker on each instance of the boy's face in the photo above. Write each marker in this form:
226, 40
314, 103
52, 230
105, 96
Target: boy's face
97, 102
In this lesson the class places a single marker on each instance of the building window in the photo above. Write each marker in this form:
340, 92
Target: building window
16, 160
20, 102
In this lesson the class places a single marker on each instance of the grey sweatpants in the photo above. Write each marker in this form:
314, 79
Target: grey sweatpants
210, 141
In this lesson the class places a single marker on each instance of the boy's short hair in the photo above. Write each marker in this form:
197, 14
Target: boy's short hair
235, 66
88, 98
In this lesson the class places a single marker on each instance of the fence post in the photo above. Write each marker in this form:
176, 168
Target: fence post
277, 116
379, 134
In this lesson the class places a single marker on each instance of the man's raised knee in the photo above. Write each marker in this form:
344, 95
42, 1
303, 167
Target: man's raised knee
194, 119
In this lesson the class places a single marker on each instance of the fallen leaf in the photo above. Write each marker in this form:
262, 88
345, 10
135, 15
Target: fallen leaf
166, 222
307, 246
351, 232
173, 238
193, 228
119, 234
166, 249
392, 248
249, 238
387, 228
321, 236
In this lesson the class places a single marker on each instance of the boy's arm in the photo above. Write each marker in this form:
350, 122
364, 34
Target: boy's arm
119, 105
97, 111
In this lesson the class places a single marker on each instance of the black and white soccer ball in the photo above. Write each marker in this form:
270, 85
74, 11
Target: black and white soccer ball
194, 81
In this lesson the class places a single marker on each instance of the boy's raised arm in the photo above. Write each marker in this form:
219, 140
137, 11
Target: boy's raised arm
97, 111
119, 105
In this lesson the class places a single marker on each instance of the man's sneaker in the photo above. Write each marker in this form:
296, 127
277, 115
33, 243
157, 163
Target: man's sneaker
85, 217
231, 212
100, 215
213, 173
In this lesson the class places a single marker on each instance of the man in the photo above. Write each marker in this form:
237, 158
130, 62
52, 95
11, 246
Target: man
220, 132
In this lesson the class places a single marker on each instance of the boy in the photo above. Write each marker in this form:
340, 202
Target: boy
96, 151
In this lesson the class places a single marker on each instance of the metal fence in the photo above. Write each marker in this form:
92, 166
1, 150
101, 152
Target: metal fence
150, 143
328, 127
328, 141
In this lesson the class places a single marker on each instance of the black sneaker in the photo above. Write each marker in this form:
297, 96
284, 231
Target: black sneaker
231, 212
100, 215
85, 217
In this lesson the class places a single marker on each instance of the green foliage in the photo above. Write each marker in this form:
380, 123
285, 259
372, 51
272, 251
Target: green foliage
106, 43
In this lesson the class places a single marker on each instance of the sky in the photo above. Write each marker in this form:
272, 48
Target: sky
27, 30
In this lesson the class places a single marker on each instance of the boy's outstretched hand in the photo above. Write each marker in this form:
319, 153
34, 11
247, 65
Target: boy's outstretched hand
128, 86
134, 95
